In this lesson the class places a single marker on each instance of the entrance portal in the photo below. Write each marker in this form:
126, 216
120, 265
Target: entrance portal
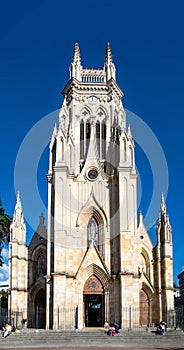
40, 309
144, 308
93, 303
93, 310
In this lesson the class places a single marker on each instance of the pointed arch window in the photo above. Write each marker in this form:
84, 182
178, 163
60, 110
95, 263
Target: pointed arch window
82, 139
124, 142
131, 156
88, 132
62, 149
54, 154
103, 139
93, 232
70, 155
98, 136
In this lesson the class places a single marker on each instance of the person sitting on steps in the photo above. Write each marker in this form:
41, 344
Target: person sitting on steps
7, 330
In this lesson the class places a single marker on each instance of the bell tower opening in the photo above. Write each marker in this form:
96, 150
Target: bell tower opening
93, 299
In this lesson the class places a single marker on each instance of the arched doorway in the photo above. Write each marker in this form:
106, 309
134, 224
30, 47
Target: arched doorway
144, 308
93, 303
40, 309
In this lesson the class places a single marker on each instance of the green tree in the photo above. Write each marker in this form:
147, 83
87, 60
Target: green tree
4, 229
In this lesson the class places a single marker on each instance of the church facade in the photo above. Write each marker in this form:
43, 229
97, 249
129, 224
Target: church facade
94, 262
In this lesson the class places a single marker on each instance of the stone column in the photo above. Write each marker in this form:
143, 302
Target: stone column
47, 302
107, 311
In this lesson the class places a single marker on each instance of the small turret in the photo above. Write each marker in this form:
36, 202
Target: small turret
76, 67
109, 65
164, 230
129, 133
18, 257
163, 262
18, 227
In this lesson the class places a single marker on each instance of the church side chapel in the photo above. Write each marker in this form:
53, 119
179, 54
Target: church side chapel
94, 262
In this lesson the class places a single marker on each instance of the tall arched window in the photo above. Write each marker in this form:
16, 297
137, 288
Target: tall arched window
54, 154
70, 155
131, 156
98, 136
124, 142
88, 132
93, 232
62, 149
103, 139
82, 139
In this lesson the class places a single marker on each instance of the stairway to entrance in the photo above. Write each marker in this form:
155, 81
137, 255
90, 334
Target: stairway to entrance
92, 338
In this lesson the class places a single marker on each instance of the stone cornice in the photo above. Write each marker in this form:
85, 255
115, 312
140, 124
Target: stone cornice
76, 90
18, 257
66, 274
18, 289
124, 273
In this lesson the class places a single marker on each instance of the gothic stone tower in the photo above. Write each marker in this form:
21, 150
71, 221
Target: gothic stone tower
18, 267
98, 260
94, 262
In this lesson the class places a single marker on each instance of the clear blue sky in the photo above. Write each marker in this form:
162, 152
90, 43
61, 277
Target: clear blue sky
36, 40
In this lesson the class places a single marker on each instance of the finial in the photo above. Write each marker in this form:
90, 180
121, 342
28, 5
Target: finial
162, 198
76, 54
141, 217
163, 205
18, 201
18, 215
76, 67
129, 131
109, 65
18, 196
41, 219
108, 54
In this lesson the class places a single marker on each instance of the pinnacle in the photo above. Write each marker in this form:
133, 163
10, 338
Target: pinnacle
163, 204
18, 202
108, 56
76, 54
163, 199
18, 196
129, 131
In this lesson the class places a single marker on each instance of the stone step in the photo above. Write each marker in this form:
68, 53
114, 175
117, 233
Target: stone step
92, 338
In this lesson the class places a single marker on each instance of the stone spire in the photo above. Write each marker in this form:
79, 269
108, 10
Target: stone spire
109, 64
129, 133
108, 54
141, 218
164, 230
18, 215
76, 67
18, 227
163, 207
18, 256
